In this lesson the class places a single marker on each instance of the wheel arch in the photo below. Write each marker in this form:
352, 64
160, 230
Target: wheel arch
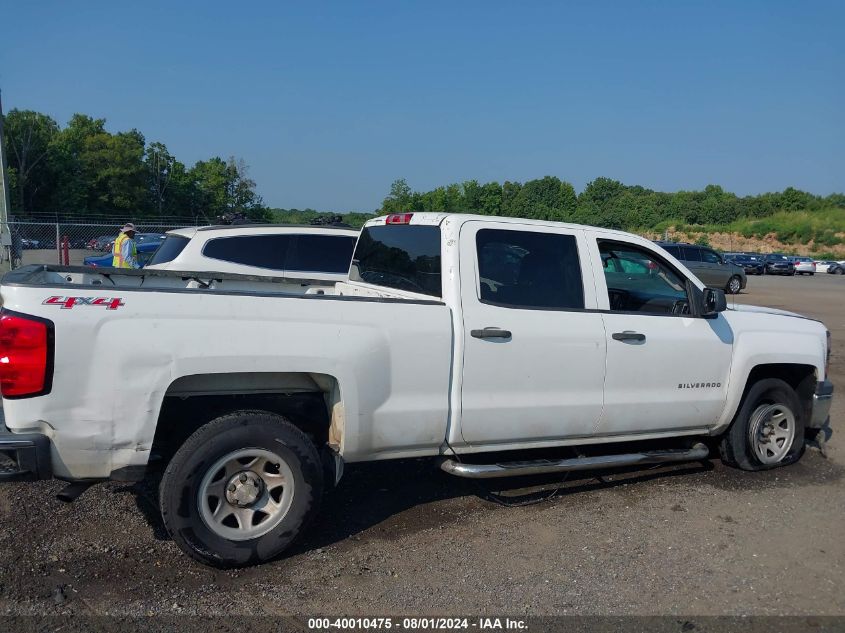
801, 376
312, 401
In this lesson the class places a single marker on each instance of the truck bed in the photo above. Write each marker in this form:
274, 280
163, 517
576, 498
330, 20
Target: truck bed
120, 279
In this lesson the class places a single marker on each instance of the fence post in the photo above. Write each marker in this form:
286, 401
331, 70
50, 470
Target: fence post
66, 250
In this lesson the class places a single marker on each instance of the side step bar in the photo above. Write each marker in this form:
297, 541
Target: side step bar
542, 466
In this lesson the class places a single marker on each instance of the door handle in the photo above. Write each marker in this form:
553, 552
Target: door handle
628, 335
491, 332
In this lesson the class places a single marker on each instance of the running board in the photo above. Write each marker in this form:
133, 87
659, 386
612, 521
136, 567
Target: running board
542, 466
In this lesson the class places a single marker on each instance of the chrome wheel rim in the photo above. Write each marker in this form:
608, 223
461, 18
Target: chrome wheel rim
771, 432
245, 494
734, 285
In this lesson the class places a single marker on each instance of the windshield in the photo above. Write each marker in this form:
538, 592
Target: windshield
403, 257
169, 249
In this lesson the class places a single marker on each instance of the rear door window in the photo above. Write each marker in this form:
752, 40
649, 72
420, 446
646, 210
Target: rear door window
529, 270
690, 254
320, 253
260, 251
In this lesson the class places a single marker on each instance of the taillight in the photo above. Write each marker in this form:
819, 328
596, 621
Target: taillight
399, 218
26, 355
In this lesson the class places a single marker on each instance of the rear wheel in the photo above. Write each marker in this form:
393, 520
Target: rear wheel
838, 271
734, 285
768, 430
241, 489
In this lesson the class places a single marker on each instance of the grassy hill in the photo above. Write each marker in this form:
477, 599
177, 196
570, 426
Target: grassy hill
819, 234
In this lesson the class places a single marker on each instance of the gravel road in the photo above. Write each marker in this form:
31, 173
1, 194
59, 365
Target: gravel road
402, 538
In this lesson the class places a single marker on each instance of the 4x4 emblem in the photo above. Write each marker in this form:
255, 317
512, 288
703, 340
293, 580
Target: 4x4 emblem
66, 303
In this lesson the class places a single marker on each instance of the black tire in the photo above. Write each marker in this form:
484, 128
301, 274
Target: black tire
180, 487
838, 271
735, 447
738, 285
811, 274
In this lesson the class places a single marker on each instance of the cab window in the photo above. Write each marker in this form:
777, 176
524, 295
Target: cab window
529, 270
637, 281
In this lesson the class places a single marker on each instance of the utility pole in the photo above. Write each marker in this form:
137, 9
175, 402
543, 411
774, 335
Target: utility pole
5, 204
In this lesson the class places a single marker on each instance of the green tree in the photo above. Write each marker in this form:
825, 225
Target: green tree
601, 191
222, 187
399, 199
113, 167
28, 139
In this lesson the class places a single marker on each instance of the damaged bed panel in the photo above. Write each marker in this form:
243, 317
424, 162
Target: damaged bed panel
114, 369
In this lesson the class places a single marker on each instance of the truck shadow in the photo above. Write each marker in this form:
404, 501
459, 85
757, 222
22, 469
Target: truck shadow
390, 499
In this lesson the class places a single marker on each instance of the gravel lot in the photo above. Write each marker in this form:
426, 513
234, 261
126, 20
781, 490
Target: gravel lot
401, 538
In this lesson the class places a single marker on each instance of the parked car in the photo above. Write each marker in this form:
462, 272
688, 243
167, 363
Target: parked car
145, 252
102, 243
831, 267
804, 265
311, 253
708, 266
434, 345
30, 243
778, 264
751, 264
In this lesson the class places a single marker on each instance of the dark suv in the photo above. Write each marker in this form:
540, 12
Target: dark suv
778, 264
708, 266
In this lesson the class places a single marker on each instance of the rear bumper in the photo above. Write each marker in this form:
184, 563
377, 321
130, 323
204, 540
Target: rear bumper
24, 456
822, 399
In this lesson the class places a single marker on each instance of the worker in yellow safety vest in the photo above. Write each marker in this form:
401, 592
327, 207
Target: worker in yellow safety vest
124, 252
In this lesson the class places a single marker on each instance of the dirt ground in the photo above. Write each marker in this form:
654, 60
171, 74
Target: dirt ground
402, 538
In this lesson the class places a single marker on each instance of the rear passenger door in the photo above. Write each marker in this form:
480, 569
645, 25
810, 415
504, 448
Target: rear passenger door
691, 256
533, 351
713, 271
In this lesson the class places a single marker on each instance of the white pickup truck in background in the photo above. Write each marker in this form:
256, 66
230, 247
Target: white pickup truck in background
455, 337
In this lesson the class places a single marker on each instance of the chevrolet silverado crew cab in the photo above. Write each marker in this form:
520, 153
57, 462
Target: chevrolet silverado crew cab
455, 337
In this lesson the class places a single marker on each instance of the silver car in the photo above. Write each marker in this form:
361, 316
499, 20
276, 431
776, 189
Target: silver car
804, 265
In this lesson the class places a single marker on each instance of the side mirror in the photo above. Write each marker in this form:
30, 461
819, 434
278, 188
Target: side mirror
714, 301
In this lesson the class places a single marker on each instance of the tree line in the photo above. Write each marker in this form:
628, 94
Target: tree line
604, 202
83, 170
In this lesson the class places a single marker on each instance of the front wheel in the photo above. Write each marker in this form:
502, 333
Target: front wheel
734, 285
837, 271
768, 430
241, 489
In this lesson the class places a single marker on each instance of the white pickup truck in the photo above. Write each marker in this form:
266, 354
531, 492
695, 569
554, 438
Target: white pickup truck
455, 337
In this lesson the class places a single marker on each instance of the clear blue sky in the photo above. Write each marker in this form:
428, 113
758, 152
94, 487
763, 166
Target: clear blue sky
330, 102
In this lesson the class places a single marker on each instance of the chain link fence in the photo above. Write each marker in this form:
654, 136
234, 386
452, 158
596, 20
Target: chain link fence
69, 243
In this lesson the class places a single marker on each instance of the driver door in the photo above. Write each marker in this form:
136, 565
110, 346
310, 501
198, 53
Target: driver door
667, 370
